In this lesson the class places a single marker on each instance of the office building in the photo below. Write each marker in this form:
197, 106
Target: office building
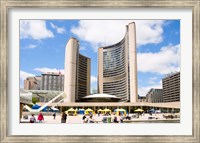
52, 81
141, 99
32, 83
117, 67
171, 87
77, 72
154, 95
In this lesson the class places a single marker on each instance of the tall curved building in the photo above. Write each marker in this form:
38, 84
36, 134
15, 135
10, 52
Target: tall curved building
117, 67
77, 72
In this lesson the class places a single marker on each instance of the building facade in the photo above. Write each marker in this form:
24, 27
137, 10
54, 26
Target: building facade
141, 99
171, 87
77, 72
117, 67
52, 81
32, 83
154, 95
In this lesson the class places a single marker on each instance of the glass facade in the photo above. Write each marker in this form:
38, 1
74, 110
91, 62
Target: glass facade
115, 71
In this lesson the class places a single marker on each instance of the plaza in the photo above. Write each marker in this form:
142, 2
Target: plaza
145, 118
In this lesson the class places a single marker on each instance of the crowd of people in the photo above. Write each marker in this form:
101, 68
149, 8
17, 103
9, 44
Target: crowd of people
115, 119
86, 118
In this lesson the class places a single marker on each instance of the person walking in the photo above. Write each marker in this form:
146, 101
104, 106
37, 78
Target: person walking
121, 119
32, 119
84, 119
40, 118
54, 115
63, 117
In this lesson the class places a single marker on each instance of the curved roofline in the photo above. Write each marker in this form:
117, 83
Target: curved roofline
120, 40
73, 38
110, 46
131, 23
101, 96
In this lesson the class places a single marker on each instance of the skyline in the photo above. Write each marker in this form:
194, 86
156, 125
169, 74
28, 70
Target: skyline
42, 46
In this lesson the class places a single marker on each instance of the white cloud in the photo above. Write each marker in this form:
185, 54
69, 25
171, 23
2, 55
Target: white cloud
142, 91
163, 62
152, 80
31, 46
106, 32
149, 31
93, 79
45, 70
82, 48
60, 30
24, 75
34, 29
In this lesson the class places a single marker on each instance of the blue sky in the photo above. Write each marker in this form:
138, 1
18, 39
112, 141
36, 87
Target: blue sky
42, 46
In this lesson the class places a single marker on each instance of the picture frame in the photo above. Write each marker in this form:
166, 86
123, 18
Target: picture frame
8, 4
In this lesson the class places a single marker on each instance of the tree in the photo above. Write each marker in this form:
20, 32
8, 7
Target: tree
34, 100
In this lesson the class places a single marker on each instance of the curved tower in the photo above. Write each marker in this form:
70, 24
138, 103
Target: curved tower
117, 67
77, 72
71, 53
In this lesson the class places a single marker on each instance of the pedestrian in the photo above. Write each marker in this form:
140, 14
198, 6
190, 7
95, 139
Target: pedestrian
115, 119
63, 117
32, 119
40, 118
85, 119
54, 115
91, 120
121, 119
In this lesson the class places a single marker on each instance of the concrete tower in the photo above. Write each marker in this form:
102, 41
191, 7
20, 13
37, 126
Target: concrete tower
132, 62
77, 73
117, 67
71, 53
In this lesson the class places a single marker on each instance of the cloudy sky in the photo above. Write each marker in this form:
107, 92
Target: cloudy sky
42, 46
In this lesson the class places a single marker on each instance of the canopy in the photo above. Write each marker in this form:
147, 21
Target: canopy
152, 110
36, 106
81, 111
138, 110
120, 111
55, 109
107, 110
88, 111
100, 110
71, 111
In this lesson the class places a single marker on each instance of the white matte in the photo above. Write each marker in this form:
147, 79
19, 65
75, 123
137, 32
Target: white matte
183, 128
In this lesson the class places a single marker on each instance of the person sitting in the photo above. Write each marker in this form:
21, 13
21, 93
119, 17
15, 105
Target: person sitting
32, 119
128, 117
115, 120
90, 120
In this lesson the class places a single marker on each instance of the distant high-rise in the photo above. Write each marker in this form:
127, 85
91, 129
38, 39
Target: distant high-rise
77, 72
117, 67
154, 95
171, 88
32, 83
52, 81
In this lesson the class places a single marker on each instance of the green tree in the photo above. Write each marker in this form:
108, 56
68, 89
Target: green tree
34, 100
